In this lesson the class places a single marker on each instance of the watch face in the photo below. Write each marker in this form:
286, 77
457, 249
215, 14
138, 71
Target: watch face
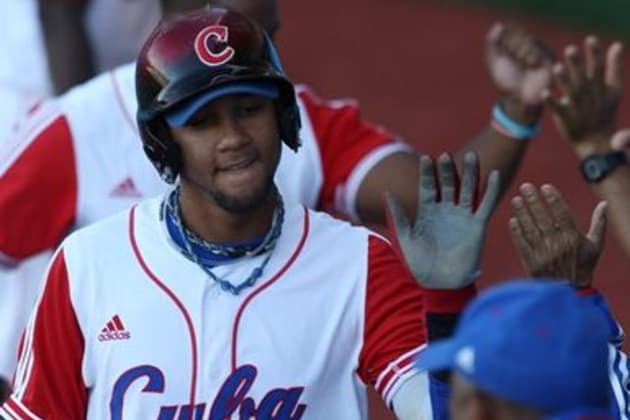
592, 169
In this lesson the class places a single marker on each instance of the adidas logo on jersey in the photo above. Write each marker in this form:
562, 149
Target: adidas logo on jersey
126, 189
114, 330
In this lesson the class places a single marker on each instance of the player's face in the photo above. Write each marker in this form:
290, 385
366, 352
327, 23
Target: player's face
230, 149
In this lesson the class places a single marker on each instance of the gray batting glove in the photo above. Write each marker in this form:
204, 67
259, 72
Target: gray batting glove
443, 246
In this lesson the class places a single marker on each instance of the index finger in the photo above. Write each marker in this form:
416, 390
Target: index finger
427, 181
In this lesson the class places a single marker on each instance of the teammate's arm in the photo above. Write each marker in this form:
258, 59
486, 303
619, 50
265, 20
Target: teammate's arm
48, 381
395, 333
442, 246
521, 70
67, 46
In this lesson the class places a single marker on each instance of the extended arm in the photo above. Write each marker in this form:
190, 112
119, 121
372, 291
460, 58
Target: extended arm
520, 68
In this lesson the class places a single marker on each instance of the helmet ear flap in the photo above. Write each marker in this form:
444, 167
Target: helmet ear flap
161, 149
289, 119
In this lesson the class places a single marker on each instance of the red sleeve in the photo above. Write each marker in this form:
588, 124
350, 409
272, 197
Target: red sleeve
38, 186
48, 381
394, 321
348, 147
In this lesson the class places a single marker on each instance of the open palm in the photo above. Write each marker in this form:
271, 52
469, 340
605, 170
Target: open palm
442, 248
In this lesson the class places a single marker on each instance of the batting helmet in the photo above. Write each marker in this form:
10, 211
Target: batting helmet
196, 53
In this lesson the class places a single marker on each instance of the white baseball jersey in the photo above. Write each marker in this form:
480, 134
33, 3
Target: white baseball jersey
129, 328
79, 158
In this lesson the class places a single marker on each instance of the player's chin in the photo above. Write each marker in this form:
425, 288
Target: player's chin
241, 200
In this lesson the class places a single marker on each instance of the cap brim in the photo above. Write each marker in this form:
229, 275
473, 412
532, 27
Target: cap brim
182, 113
437, 356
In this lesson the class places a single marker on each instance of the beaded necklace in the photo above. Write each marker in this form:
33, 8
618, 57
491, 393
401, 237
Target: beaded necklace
208, 255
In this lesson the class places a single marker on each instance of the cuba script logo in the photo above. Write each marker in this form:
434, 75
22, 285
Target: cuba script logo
214, 35
231, 399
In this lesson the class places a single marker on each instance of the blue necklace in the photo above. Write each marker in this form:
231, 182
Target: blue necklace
208, 255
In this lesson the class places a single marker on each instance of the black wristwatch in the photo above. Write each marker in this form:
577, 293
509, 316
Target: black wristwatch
596, 167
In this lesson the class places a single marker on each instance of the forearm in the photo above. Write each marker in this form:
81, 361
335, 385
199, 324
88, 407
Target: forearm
615, 189
67, 47
498, 151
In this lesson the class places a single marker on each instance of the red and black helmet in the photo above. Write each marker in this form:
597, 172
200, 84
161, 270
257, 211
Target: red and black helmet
196, 52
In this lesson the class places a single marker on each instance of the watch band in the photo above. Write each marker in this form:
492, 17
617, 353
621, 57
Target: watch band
596, 167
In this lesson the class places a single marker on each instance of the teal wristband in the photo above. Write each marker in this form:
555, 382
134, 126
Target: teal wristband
512, 128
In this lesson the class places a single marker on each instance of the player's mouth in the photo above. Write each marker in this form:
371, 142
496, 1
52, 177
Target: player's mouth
237, 165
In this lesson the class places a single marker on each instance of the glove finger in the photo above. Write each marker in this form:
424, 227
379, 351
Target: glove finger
490, 197
469, 180
447, 178
427, 183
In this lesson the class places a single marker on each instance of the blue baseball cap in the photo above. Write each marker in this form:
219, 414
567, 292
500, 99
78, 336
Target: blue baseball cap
531, 342
178, 116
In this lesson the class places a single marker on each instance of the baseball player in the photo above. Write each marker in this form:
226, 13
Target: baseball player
76, 156
526, 350
221, 299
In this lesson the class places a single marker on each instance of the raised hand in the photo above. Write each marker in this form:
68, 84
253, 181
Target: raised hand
442, 247
549, 242
519, 64
591, 86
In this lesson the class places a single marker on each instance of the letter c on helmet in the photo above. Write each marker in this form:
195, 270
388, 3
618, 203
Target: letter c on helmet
208, 57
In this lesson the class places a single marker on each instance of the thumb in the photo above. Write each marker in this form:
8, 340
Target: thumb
494, 34
396, 219
597, 231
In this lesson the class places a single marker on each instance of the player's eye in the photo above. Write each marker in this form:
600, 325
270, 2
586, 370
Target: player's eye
250, 106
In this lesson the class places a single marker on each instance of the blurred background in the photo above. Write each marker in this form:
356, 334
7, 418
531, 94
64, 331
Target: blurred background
418, 68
